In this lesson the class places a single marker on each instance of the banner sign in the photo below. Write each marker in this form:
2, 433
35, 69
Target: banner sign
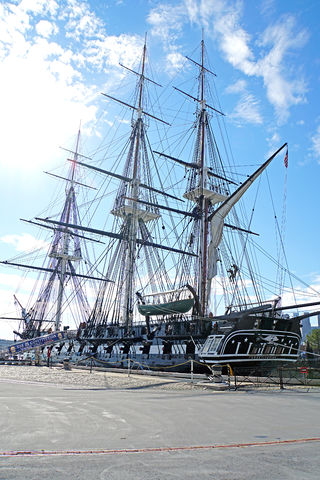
36, 342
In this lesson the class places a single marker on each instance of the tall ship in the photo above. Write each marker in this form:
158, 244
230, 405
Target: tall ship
176, 279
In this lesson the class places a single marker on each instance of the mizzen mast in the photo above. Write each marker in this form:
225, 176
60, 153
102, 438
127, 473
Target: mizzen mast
59, 268
62, 254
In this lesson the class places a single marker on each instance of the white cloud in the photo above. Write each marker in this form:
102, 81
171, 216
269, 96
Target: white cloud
223, 21
47, 87
175, 62
124, 121
45, 28
110, 51
303, 294
267, 7
234, 41
43, 99
38, 6
201, 11
273, 141
282, 92
192, 10
167, 21
81, 23
247, 109
316, 143
24, 242
238, 87
275, 138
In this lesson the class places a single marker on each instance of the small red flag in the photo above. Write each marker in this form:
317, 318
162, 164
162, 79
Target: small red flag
286, 159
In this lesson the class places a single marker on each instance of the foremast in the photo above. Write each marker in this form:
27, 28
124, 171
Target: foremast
209, 189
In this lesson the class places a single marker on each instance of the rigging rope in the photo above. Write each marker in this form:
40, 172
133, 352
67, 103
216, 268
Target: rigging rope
282, 253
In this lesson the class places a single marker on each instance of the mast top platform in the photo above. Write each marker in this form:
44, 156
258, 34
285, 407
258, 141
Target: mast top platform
139, 213
215, 196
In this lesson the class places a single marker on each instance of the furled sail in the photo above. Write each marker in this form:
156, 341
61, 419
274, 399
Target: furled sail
216, 219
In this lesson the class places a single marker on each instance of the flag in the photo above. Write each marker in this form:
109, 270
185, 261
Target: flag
286, 159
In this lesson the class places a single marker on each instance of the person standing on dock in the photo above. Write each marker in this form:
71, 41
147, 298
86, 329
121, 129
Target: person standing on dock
48, 356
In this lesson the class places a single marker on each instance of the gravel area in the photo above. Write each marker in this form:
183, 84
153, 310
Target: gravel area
96, 379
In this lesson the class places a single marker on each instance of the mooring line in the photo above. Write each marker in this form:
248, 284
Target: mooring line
31, 453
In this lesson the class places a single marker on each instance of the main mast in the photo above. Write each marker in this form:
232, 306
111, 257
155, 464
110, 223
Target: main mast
203, 199
133, 217
134, 189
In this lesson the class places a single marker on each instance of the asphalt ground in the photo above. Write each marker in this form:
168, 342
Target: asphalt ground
52, 431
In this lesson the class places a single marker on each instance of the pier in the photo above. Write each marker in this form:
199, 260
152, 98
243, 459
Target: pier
141, 429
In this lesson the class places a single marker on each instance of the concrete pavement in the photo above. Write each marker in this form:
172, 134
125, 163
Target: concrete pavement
67, 423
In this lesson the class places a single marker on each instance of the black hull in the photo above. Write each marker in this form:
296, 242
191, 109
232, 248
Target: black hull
245, 349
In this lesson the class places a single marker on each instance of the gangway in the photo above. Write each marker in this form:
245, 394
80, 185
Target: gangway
42, 341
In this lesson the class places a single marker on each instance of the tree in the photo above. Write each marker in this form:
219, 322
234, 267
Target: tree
313, 339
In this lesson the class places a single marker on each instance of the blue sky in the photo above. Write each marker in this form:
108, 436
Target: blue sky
56, 58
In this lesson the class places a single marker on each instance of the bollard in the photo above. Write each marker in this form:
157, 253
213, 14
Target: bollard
217, 373
129, 367
66, 364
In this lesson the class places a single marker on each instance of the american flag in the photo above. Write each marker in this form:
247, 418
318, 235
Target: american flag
286, 159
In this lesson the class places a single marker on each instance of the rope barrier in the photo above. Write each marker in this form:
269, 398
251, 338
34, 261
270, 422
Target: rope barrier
135, 362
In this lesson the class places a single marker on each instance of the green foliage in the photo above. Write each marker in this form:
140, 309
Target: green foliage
313, 339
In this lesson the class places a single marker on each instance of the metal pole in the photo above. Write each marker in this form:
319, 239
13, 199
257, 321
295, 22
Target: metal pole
305, 378
192, 371
37, 356
129, 367
281, 378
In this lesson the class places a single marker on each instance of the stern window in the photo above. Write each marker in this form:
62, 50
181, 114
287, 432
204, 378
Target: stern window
212, 344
